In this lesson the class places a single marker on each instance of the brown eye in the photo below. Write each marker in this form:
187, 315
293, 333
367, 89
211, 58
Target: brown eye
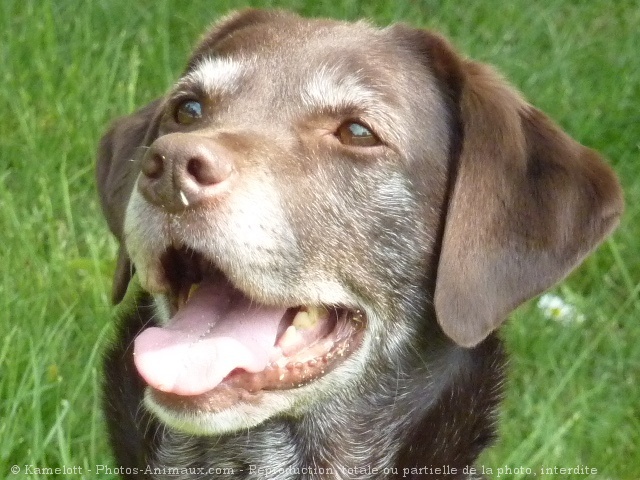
357, 135
188, 112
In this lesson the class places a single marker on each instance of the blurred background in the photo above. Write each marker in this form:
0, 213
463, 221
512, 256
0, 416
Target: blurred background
67, 68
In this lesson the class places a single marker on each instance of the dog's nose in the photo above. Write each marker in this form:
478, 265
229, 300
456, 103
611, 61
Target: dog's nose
181, 170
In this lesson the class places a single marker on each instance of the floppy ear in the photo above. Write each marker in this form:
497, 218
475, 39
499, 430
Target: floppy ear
116, 173
528, 204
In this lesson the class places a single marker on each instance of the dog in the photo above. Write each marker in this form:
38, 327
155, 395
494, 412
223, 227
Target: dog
322, 225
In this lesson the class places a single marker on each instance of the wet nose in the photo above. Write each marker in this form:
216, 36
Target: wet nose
182, 170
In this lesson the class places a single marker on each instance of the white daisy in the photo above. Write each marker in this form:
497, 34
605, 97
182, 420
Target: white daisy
555, 308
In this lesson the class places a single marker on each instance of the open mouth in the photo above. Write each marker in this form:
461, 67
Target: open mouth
220, 341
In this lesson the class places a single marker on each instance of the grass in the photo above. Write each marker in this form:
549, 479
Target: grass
70, 67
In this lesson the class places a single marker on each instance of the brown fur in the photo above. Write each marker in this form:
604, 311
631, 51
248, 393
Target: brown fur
487, 203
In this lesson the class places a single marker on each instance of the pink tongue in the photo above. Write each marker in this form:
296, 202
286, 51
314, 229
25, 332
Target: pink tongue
216, 331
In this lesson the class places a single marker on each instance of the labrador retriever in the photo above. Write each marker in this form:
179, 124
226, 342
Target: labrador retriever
322, 224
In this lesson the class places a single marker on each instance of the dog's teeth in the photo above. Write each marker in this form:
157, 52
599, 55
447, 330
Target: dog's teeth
289, 337
194, 287
184, 295
301, 320
308, 319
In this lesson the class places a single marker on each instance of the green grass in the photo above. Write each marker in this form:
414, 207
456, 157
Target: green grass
68, 67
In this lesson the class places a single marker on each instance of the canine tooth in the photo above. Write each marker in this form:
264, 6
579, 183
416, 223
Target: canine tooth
194, 287
301, 320
308, 319
289, 337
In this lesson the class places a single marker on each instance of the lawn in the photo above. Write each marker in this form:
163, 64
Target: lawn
69, 67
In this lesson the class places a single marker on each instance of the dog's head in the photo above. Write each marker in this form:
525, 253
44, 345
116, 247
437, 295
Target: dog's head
310, 192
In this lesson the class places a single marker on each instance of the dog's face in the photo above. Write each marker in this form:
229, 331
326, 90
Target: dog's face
311, 192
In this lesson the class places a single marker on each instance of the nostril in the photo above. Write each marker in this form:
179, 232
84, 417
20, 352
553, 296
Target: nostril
204, 171
153, 166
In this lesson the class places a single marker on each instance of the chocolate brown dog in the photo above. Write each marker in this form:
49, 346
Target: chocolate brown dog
328, 221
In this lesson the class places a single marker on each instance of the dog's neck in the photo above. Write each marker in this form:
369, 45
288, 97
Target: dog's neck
405, 432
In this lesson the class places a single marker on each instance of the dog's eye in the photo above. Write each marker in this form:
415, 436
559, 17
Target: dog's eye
357, 135
188, 112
